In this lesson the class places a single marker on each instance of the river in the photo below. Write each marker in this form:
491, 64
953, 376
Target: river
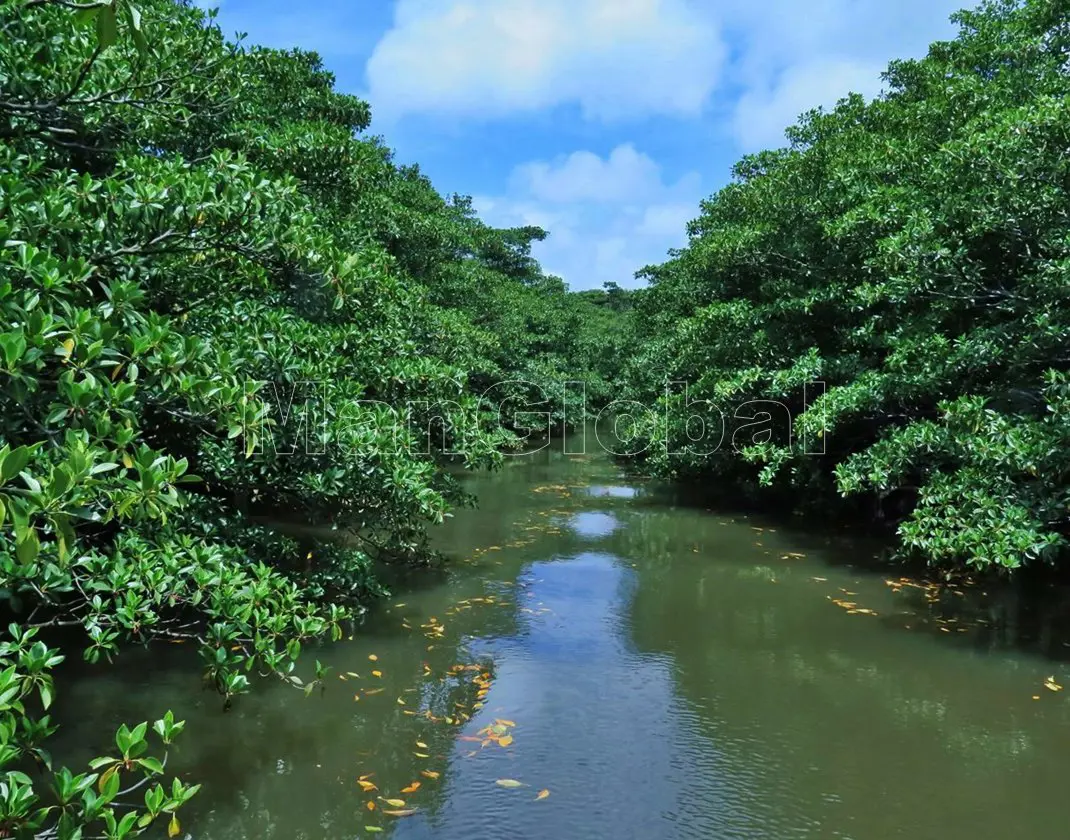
643, 669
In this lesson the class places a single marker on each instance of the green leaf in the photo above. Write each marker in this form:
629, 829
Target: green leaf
14, 462
27, 548
107, 30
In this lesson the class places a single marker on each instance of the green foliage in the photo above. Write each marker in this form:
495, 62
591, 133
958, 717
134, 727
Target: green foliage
96, 798
912, 253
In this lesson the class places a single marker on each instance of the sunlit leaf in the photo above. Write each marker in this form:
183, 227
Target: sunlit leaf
431, 774
394, 803
509, 783
412, 788
505, 740
542, 794
406, 813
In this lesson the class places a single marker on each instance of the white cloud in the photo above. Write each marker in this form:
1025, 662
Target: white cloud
488, 58
607, 217
764, 111
793, 56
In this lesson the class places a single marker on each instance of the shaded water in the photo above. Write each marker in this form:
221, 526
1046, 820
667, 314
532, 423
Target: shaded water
665, 672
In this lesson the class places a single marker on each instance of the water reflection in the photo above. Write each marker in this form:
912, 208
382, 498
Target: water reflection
612, 491
593, 524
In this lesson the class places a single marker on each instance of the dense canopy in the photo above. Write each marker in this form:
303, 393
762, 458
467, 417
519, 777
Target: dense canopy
895, 284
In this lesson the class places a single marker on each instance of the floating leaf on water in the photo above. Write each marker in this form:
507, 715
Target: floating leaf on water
373, 657
401, 702
377, 673
1051, 685
371, 805
408, 812
412, 788
505, 741
394, 803
421, 745
421, 755
366, 786
509, 783
504, 722
543, 794
431, 774
372, 828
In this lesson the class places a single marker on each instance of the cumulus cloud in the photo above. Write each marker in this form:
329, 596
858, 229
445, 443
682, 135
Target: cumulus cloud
791, 56
607, 216
763, 112
488, 58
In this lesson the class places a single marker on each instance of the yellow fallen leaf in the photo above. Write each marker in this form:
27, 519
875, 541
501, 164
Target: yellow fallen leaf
421, 755
509, 783
372, 828
543, 794
431, 774
377, 673
503, 722
415, 786
369, 691
371, 805
173, 828
394, 803
421, 745
373, 657
406, 813
505, 740
366, 786
401, 702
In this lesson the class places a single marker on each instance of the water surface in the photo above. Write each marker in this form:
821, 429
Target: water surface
663, 671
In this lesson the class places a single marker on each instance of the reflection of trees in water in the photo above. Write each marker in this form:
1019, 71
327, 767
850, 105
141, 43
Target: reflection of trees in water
754, 651
280, 762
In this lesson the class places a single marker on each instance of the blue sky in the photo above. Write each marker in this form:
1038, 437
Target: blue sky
604, 121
